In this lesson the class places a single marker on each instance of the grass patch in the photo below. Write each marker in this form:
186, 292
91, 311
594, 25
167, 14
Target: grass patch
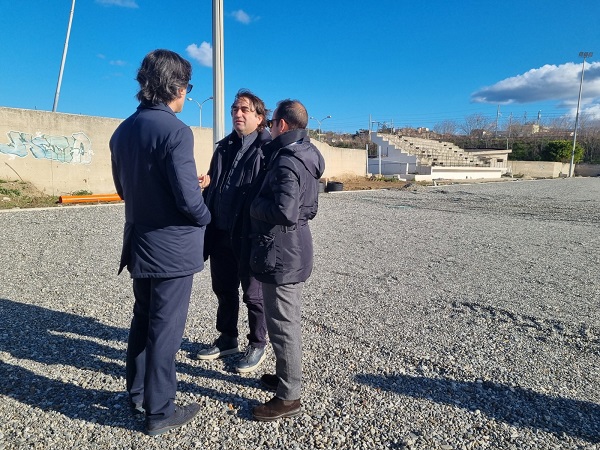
21, 194
15, 192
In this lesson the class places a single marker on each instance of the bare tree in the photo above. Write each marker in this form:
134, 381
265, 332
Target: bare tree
446, 127
561, 124
588, 135
476, 123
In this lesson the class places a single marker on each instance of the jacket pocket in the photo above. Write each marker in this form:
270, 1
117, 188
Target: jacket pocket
262, 253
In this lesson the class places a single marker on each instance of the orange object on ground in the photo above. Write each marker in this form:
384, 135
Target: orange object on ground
92, 198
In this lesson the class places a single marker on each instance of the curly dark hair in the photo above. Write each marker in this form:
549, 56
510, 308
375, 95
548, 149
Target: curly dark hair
257, 103
161, 74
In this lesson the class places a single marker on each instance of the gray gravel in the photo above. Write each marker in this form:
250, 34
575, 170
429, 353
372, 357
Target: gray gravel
451, 317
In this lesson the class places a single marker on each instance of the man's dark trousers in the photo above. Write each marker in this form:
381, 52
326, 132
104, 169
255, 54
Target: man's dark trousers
225, 283
159, 316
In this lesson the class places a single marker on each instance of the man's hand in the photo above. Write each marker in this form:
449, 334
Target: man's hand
203, 181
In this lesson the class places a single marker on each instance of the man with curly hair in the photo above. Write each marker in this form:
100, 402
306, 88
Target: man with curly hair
154, 172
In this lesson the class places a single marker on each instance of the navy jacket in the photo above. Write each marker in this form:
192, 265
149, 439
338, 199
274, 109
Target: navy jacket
281, 249
154, 171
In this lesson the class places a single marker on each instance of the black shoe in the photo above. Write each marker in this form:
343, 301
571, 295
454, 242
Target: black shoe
181, 416
251, 359
277, 408
223, 346
269, 381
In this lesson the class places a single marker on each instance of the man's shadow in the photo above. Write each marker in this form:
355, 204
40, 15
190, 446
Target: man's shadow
513, 405
48, 337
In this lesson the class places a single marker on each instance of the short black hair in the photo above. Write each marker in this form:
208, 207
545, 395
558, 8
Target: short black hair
161, 74
293, 112
256, 102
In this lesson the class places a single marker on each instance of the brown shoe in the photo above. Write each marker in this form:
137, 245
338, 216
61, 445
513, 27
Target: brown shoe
277, 408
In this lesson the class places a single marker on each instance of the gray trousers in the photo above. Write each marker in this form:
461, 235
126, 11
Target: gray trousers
283, 309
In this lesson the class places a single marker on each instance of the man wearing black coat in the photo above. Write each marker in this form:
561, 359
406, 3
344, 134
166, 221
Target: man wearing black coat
281, 253
235, 165
154, 172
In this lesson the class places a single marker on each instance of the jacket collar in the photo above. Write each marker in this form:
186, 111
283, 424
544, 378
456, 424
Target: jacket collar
263, 136
289, 137
159, 107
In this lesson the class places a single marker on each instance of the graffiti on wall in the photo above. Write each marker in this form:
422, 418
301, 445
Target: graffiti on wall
76, 148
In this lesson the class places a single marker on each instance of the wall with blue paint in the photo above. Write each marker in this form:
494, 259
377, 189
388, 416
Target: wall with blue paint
63, 153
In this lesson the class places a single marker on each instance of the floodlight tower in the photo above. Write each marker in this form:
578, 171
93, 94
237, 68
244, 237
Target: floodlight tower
572, 165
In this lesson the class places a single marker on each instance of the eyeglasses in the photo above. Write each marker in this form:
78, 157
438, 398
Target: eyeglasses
271, 123
189, 88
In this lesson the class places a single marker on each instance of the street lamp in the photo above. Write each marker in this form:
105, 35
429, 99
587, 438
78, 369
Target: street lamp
572, 167
190, 99
319, 121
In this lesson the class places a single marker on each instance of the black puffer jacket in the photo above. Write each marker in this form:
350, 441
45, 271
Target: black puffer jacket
281, 249
232, 172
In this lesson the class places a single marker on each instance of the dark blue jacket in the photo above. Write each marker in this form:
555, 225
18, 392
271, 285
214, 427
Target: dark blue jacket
234, 166
154, 171
281, 250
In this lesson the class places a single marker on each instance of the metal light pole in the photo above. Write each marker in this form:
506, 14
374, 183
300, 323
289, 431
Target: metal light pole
190, 99
64, 58
218, 72
319, 121
572, 166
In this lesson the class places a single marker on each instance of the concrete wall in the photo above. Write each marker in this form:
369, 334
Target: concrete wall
62, 153
538, 169
587, 170
341, 162
549, 169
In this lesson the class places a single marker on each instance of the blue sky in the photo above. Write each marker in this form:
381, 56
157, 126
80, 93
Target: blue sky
407, 63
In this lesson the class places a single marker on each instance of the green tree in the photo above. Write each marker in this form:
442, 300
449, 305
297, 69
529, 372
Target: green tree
524, 151
560, 151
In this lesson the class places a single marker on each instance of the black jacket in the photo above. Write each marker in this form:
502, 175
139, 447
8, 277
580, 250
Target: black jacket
281, 249
154, 171
231, 178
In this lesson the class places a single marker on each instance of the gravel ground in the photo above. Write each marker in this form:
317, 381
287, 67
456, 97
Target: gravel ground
454, 317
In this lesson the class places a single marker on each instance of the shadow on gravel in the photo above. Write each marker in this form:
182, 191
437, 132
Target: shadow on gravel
49, 337
240, 405
516, 406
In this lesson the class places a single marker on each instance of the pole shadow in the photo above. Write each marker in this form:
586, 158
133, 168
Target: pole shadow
513, 405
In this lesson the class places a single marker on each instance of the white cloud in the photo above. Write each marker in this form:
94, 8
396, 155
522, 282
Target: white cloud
118, 62
202, 54
123, 3
549, 82
242, 17
591, 112
101, 56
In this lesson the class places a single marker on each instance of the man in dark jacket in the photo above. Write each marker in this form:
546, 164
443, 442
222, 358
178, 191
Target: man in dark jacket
281, 254
233, 168
165, 216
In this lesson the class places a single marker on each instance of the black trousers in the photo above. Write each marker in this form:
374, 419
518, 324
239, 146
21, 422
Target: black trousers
226, 281
159, 316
